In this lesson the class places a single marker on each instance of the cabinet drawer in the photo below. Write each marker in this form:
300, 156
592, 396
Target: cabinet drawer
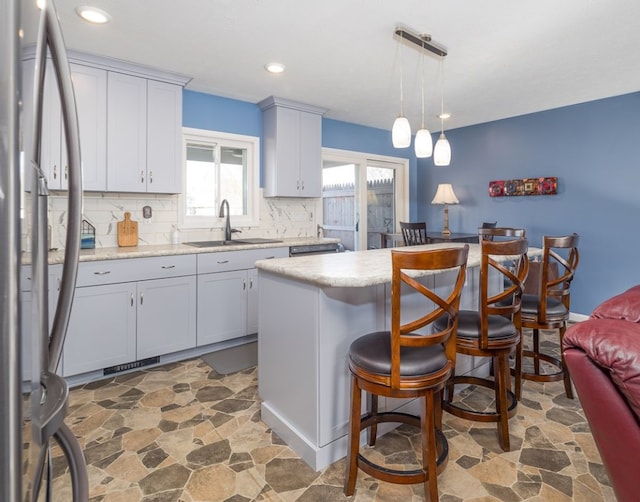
137, 269
237, 260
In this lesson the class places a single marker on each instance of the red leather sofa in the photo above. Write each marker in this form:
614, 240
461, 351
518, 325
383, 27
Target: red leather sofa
603, 357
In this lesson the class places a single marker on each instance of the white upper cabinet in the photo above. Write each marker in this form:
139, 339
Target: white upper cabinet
130, 121
90, 90
144, 124
164, 137
292, 142
127, 133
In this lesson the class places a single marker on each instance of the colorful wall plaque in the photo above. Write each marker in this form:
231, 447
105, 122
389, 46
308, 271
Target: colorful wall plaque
524, 186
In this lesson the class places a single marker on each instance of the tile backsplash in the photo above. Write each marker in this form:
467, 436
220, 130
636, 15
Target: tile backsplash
279, 218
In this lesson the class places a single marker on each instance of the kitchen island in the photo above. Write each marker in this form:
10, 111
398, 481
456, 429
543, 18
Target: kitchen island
310, 310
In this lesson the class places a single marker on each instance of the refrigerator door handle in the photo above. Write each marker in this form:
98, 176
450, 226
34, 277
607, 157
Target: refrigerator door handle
74, 223
49, 394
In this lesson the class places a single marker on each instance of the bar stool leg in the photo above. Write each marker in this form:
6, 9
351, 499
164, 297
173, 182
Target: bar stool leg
429, 454
536, 352
372, 431
501, 361
353, 447
565, 371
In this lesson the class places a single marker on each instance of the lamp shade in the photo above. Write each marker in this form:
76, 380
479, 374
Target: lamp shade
401, 133
442, 151
423, 144
445, 195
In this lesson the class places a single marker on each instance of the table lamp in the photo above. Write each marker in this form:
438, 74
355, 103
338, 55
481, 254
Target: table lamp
444, 195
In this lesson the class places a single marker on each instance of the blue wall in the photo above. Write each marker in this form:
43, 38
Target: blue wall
593, 149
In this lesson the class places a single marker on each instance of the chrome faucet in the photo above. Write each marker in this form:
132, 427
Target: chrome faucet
227, 229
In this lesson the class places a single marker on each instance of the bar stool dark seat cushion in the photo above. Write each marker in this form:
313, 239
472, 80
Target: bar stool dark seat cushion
468, 322
373, 353
555, 308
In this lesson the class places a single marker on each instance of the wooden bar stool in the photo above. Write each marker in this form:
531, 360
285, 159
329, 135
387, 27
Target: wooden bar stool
494, 330
402, 363
550, 307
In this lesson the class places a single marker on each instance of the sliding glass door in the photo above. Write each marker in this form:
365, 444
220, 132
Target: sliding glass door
363, 196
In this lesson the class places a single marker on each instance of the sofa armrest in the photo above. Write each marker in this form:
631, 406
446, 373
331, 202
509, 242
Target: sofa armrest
625, 306
614, 346
615, 428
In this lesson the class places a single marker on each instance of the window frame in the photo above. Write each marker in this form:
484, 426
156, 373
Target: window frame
219, 139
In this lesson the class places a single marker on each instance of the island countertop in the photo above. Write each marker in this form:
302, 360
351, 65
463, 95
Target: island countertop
356, 268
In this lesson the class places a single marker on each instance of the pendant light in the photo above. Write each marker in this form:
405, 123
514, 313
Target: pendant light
442, 150
423, 143
401, 130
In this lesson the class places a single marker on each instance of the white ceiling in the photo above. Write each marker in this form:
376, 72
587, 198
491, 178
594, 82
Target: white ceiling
506, 57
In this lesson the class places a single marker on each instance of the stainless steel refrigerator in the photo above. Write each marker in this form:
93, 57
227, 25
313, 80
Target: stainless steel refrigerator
32, 416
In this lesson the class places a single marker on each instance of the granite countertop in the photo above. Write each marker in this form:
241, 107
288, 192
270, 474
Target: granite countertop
355, 269
118, 253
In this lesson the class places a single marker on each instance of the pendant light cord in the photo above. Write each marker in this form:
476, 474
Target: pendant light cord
401, 85
422, 72
441, 68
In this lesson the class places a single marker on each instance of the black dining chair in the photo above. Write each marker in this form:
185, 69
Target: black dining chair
414, 234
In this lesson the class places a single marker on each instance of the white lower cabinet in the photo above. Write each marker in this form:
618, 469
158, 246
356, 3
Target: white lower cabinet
127, 310
228, 293
166, 316
26, 313
222, 306
102, 328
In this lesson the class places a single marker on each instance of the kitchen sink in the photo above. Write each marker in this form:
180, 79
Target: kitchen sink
213, 244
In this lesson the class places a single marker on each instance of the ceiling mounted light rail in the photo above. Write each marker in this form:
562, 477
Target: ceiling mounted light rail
421, 40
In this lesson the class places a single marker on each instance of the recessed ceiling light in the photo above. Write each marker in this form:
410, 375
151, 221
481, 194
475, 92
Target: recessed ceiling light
274, 67
93, 14
444, 116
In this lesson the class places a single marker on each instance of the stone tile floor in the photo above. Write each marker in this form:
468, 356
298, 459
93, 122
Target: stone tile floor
183, 432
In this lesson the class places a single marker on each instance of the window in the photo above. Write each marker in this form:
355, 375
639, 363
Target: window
363, 196
219, 166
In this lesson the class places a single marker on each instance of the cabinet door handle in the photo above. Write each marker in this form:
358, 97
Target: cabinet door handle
55, 172
132, 299
168, 266
250, 283
223, 261
141, 298
105, 272
150, 176
268, 258
298, 185
302, 184
141, 176
66, 172
244, 284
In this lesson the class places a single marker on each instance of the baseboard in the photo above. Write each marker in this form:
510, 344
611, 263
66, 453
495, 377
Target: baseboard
573, 317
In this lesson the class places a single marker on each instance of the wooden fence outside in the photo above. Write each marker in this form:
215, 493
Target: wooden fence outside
339, 217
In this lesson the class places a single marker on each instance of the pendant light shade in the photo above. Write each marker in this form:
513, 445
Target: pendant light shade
442, 152
401, 133
423, 144
401, 130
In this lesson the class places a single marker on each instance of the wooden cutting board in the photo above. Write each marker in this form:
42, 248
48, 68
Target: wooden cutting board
127, 231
